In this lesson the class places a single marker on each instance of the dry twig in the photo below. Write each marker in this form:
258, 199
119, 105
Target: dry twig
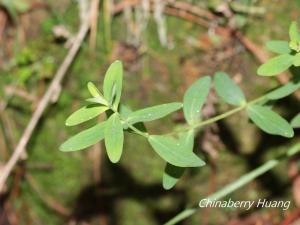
46, 99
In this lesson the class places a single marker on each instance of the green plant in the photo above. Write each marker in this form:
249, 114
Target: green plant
176, 147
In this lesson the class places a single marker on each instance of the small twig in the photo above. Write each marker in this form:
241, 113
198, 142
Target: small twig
94, 23
56, 82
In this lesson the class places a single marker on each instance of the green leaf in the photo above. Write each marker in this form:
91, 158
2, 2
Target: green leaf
173, 173
153, 113
280, 47
112, 86
84, 139
296, 121
228, 90
293, 32
84, 114
98, 100
125, 111
194, 98
296, 60
283, 91
276, 65
171, 151
269, 121
114, 138
93, 90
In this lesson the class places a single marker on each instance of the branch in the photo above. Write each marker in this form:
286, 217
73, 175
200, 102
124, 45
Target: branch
46, 99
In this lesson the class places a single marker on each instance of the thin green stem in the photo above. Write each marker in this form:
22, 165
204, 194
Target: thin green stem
218, 117
242, 181
137, 131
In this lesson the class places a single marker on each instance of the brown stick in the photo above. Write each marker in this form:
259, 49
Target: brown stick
46, 99
94, 23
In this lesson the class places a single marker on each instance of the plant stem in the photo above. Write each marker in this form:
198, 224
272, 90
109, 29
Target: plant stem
144, 134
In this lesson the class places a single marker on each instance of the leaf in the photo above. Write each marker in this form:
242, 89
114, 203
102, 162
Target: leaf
269, 121
173, 173
293, 32
84, 114
296, 60
114, 138
113, 83
98, 100
153, 113
84, 139
170, 150
296, 121
280, 47
93, 90
276, 65
125, 111
194, 99
283, 91
228, 90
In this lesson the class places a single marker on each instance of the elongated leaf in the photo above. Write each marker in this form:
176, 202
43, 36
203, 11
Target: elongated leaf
194, 98
153, 113
228, 90
113, 83
275, 65
280, 47
93, 89
269, 121
293, 32
283, 91
84, 114
169, 149
173, 173
296, 121
114, 138
98, 100
84, 139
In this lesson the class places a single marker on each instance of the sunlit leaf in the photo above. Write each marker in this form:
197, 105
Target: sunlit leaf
283, 91
112, 86
293, 32
84, 139
276, 65
294, 36
114, 138
153, 113
93, 89
171, 151
84, 114
296, 121
269, 121
280, 47
98, 100
228, 90
194, 98
173, 173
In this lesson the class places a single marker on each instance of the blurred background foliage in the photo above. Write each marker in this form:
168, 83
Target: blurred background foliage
164, 50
